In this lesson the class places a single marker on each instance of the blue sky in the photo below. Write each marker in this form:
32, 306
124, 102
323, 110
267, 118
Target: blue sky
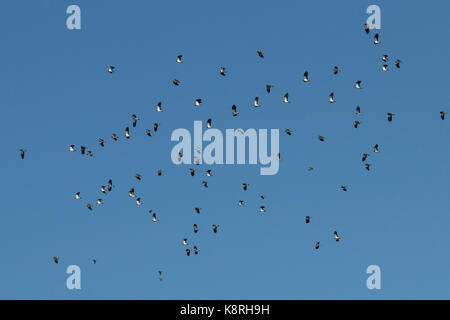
56, 91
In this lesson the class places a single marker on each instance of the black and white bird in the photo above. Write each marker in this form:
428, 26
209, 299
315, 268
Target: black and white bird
195, 228
308, 219
89, 206
179, 57
240, 203
135, 119
306, 77
99, 201
77, 196
72, 148
127, 133
176, 82
443, 113
154, 219
336, 70
385, 57
358, 84
336, 237
375, 148
215, 226
159, 107
22, 153
389, 116
317, 245
131, 193
358, 110
331, 98
114, 136
222, 71
208, 123
198, 102
185, 242
262, 209
269, 87
208, 173
110, 185
148, 132
376, 39
234, 110
385, 67
205, 184
111, 69
286, 98
256, 102
260, 54
138, 202
366, 28
196, 251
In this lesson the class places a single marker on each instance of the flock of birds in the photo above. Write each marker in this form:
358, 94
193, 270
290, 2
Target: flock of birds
159, 108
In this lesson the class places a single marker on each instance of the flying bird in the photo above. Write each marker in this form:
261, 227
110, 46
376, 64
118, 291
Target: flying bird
385, 67
114, 136
331, 99
138, 201
198, 102
317, 245
101, 142
127, 133
192, 171
376, 39
358, 110
245, 186
385, 57
72, 148
196, 251
148, 132
367, 165
240, 203
110, 185
185, 242
159, 172
131, 193
222, 71
256, 102
268, 87
336, 70
135, 119
443, 113
89, 206
179, 57
356, 123
99, 201
195, 228
306, 77
336, 237
234, 110
56, 260
397, 63
344, 188
188, 252
260, 54
154, 219
364, 157
288, 132
77, 196
155, 126
358, 84
215, 226
208, 173
389, 116
366, 28
208, 123
138, 176
308, 219
197, 210
262, 209
111, 69
22, 153
176, 82
205, 184
375, 148
286, 98
159, 107
321, 138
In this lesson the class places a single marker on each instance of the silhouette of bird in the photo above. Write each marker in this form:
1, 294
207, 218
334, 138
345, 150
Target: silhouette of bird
111, 69
443, 113
260, 54
308, 219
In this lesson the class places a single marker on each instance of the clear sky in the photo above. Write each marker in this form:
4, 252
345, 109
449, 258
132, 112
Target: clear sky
55, 91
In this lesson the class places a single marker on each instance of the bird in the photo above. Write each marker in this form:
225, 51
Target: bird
366, 28
364, 157
159, 172
208, 173
321, 138
268, 87
397, 63
176, 82
367, 165
94, 261
89, 206
310, 169
344, 188
205, 184
234, 110
192, 171
77, 196
389, 116
288, 132
358, 110
110, 185
222, 71
317, 245
208, 123
138, 201
240, 203
196, 251
331, 99
356, 124
245, 186
306, 77
336, 237
99, 201
89, 153
375, 148
159, 106
358, 84
127, 133
138, 176
22, 153
278, 156
262, 209
72, 148
443, 113
155, 126
286, 98
131, 193
179, 57
111, 69
188, 252
198, 102
376, 39
385, 67
154, 219
260, 54
101, 142
135, 119
56, 260
195, 228
262, 197
336, 70
385, 57
148, 132
256, 102
215, 226
308, 219
114, 136
185, 242
197, 210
